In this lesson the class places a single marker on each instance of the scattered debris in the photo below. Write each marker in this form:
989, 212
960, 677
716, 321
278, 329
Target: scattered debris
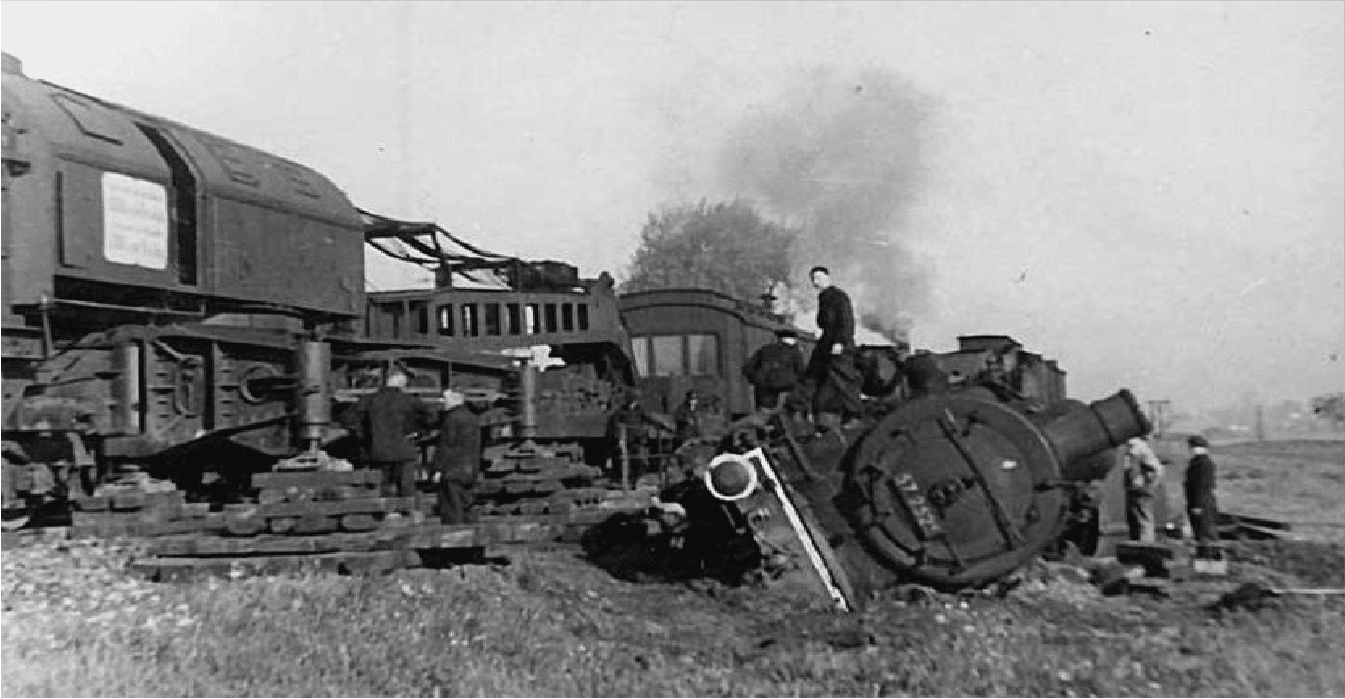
1255, 595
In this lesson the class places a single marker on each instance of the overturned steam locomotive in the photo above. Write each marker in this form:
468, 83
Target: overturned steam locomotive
966, 465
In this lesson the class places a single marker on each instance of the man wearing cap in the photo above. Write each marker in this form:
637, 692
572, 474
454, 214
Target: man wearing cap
1143, 472
775, 369
1200, 505
832, 367
457, 458
386, 423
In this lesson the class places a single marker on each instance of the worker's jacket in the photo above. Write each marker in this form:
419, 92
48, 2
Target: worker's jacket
387, 423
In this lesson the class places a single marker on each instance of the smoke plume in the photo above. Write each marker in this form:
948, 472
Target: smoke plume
840, 157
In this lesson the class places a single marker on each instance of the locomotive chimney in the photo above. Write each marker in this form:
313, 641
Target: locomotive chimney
1085, 431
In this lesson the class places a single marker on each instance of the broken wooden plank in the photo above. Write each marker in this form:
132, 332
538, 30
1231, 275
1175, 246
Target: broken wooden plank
281, 525
358, 522
344, 562
1155, 557
244, 523
93, 503
316, 479
314, 524
337, 507
137, 499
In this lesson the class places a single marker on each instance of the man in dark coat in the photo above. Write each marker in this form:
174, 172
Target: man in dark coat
832, 367
386, 423
457, 459
775, 369
688, 419
1201, 508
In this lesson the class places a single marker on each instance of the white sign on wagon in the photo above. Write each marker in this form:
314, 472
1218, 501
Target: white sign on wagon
135, 221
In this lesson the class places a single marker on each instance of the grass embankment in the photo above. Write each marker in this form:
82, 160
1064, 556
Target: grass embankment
1299, 481
552, 625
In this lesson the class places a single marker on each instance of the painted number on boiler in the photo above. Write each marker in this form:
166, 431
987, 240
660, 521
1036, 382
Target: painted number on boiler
925, 519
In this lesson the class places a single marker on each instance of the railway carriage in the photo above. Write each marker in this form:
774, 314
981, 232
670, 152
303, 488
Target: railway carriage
697, 339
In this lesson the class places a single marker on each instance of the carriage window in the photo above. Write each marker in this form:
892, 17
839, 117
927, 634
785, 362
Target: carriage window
551, 317
420, 315
640, 346
567, 317
533, 319
469, 327
514, 316
667, 351
583, 317
446, 319
703, 353
492, 319
395, 313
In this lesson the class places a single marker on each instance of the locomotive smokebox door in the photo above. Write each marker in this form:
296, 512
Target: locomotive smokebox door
954, 490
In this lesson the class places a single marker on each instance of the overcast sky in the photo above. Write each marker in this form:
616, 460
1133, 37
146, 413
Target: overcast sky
1152, 193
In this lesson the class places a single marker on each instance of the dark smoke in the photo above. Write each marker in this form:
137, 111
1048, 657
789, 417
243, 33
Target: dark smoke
841, 157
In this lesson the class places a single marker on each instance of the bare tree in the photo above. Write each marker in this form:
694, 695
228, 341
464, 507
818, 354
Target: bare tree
729, 247
1331, 407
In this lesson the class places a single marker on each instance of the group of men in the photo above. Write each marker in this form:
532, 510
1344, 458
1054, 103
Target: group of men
388, 425
778, 372
1144, 473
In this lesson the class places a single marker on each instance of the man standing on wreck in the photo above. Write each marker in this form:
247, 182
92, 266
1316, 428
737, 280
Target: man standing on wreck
832, 368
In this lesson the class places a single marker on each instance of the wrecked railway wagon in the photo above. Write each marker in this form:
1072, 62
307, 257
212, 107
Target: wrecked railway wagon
185, 320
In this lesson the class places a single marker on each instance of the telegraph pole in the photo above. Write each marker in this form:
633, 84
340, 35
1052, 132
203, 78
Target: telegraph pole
1158, 416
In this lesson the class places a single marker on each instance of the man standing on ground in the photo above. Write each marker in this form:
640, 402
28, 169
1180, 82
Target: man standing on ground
832, 366
1143, 473
457, 458
1200, 505
775, 369
386, 423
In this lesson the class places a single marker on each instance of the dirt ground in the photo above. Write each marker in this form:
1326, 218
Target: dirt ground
75, 623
